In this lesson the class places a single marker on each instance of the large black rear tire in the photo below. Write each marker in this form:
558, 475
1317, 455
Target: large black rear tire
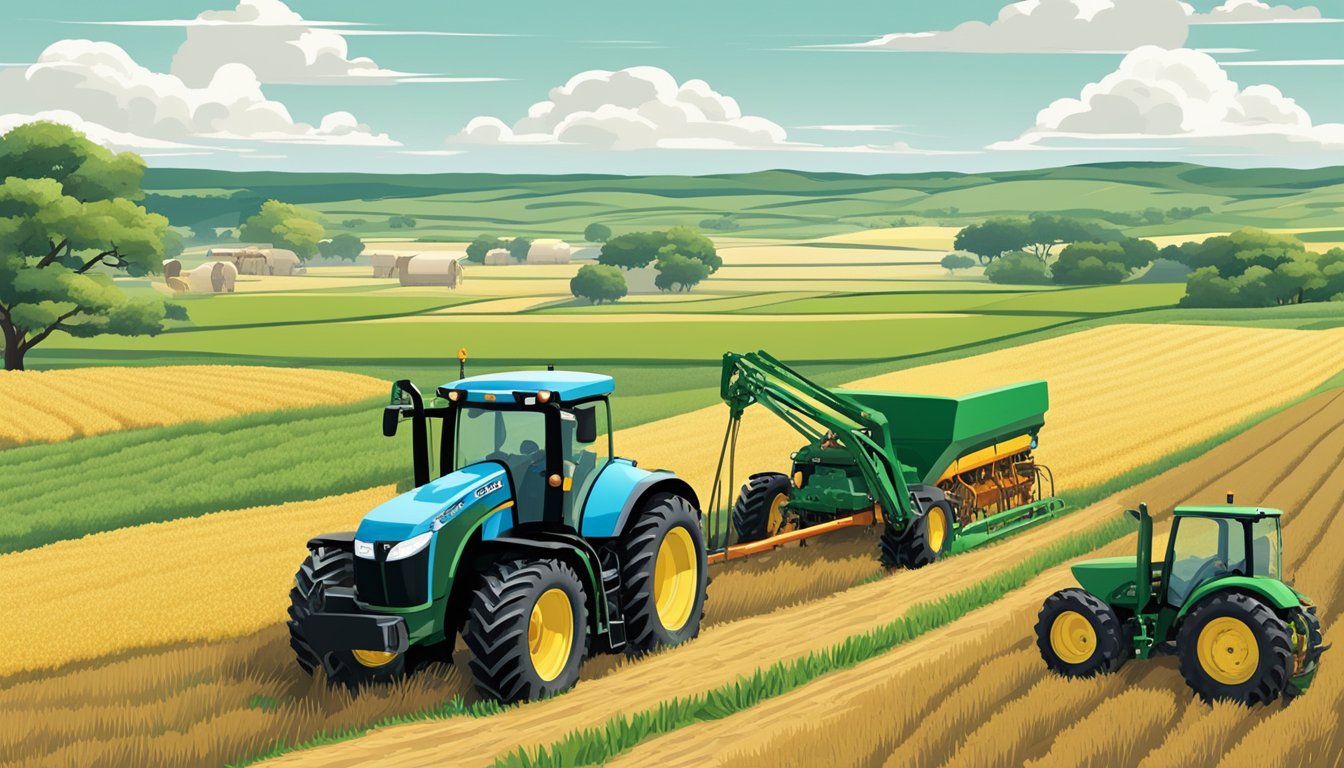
1079, 635
751, 513
527, 630
922, 542
333, 567
1232, 647
663, 575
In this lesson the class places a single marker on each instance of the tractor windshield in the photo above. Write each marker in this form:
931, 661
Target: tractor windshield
1266, 548
516, 438
1204, 548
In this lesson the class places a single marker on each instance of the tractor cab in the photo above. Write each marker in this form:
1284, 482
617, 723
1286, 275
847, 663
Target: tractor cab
549, 430
1209, 543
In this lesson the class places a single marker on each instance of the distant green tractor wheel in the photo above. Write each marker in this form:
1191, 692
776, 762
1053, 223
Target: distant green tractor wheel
527, 630
1079, 635
922, 542
758, 512
1232, 647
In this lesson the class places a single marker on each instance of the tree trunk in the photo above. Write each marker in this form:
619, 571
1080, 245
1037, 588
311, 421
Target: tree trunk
13, 357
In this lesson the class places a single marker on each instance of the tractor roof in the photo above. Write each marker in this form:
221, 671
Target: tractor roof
567, 385
1221, 510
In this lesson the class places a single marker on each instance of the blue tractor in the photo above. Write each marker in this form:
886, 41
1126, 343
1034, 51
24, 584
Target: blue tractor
532, 541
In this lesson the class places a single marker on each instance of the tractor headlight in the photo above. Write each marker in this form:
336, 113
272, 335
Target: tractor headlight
364, 549
410, 546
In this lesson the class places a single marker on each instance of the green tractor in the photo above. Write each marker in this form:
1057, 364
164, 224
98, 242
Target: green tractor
1218, 602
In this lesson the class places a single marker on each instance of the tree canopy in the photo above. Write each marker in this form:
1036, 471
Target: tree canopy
1018, 268
597, 232
955, 260
344, 246
518, 248
1254, 268
482, 245
633, 250
284, 225
598, 283
68, 223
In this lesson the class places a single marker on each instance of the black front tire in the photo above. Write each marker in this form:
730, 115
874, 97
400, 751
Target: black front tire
333, 567
639, 550
1243, 617
1060, 644
751, 512
913, 547
497, 629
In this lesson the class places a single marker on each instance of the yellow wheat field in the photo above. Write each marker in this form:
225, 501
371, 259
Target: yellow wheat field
48, 406
202, 578
1120, 396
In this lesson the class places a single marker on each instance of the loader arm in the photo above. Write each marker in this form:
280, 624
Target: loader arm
814, 411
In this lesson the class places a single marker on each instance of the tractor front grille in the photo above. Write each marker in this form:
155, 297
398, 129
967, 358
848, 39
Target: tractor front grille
398, 584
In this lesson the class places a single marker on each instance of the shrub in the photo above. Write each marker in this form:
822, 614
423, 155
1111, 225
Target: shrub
598, 283
1018, 268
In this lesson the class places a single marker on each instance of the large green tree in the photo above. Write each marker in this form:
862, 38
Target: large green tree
284, 225
344, 246
632, 250
992, 238
68, 224
518, 248
598, 283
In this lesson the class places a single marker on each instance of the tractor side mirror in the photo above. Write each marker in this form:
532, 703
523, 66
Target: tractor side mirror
585, 430
1134, 513
391, 415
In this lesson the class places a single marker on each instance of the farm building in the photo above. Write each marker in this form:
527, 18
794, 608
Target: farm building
384, 264
498, 257
441, 269
548, 252
211, 277
259, 261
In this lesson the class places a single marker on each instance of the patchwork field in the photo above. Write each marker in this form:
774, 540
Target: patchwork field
49, 406
262, 700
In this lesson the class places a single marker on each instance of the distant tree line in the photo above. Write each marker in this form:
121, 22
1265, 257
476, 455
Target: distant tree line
1254, 268
1022, 251
681, 256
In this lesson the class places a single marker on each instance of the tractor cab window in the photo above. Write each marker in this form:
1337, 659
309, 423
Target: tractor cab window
1266, 548
584, 439
1204, 548
516, 438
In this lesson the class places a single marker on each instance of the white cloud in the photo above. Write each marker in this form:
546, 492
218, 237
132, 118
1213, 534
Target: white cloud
635, 108
1042, 26
275, 43
118, 101
1159, 96
1256, 12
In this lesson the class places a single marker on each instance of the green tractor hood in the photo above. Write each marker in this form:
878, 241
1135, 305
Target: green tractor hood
1109, 578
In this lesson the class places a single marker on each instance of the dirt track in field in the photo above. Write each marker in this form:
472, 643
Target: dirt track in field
1013, 712
1253, 462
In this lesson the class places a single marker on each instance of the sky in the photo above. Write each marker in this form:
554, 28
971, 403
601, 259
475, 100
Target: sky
522, 86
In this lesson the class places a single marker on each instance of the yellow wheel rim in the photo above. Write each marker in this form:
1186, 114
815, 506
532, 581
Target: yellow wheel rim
1228, 651
550, 633
374, 658
1072, 637
937, 528
675, 579
774, 523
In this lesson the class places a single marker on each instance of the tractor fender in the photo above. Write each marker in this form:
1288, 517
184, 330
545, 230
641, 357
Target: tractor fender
619, 490
343, 541
555, 545
1273, 592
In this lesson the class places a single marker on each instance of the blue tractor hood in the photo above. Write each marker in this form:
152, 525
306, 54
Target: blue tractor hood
414, 512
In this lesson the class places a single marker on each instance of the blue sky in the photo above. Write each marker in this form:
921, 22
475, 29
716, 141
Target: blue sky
706, 87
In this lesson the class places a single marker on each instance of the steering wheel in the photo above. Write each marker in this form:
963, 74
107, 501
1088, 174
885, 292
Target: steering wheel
1212, 567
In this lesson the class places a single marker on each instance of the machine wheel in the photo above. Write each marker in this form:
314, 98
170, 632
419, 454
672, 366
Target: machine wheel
663, 575
1079, 635
1231, 646
757, 513
527, 630
922, 542
331, 567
